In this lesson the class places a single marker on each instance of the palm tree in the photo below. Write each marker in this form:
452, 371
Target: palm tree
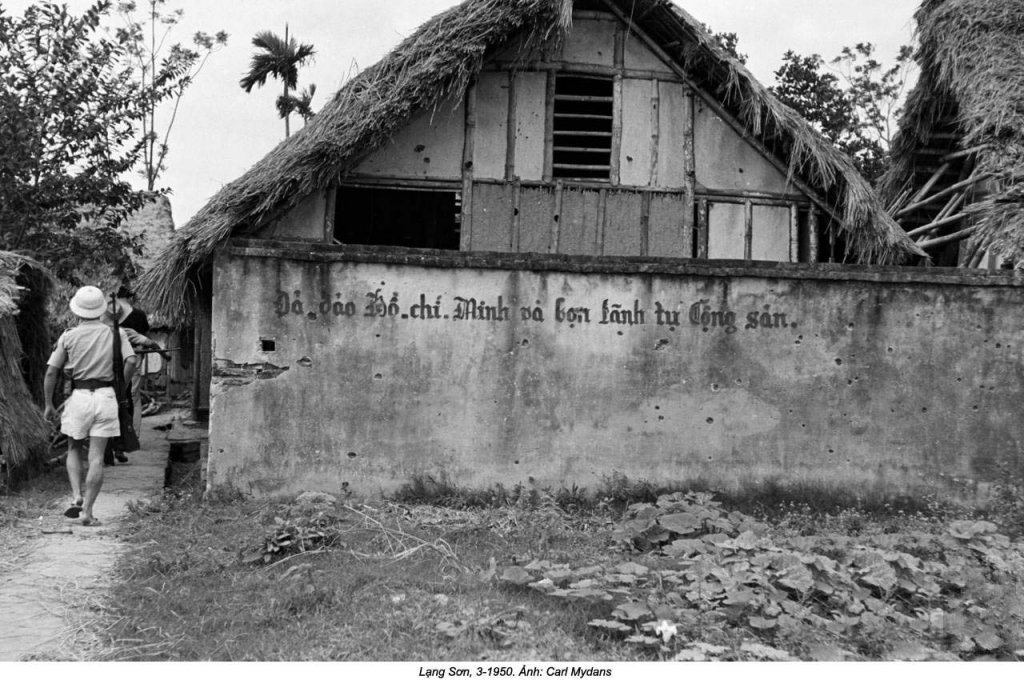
279, 59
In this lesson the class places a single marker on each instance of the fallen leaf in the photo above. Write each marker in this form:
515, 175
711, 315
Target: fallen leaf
690, 655
760, 651
517, 575
631, 611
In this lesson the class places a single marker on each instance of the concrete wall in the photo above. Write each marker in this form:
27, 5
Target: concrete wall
567, 369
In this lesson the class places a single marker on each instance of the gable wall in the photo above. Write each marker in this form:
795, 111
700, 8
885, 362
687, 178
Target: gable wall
669, 150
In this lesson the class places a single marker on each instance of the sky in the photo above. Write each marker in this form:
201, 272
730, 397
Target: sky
220, 131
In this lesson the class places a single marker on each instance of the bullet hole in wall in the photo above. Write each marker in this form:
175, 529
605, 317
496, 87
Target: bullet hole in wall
305, 362
352, 454
268, 345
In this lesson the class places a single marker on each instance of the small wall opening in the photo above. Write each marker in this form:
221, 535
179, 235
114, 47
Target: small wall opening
410, 218
583, 117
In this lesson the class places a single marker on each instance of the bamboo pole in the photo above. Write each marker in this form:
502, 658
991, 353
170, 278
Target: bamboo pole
920, 203
931, 226
956, 236
930, 183
963, 152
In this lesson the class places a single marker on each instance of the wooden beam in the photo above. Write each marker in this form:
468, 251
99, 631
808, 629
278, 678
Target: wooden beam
812, 236
748, 230
330, 205
702, 229
516, 220
466, 233
645, 224
556, 219
549, 126
655, 132
794, 232
511, 125
602, 217
616, 158
689, 173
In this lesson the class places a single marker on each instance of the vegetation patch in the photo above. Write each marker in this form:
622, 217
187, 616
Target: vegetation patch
718, 577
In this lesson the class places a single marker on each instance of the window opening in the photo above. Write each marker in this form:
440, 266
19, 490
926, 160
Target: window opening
583, 115
410, 218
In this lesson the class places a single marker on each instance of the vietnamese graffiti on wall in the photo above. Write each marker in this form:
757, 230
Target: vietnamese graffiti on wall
460, 308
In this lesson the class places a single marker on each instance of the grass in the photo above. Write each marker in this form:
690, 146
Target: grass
387, 582
422, 576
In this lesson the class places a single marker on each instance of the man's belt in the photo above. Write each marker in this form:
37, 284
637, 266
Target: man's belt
90, 384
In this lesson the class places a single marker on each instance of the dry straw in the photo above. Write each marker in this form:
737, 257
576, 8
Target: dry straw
437, 62
23, 431
972, 62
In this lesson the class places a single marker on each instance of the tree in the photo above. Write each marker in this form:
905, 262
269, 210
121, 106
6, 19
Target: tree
280, 59
855, 106
165, 75
70, 113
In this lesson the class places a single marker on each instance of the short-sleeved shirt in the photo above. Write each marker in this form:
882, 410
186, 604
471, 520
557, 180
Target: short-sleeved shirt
88, 350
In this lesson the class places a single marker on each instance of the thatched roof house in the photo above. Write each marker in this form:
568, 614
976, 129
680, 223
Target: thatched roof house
955, 182
24, 286
446, 54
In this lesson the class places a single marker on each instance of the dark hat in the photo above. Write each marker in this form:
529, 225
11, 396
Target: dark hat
125, 292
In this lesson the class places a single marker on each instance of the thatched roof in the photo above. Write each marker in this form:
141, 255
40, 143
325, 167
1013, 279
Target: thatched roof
23, 432
439, 59
970, 94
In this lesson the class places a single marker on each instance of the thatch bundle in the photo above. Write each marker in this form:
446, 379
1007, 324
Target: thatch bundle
23, 431
439, 60
972, 68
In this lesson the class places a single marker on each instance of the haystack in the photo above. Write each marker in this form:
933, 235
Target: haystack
958, 160
24, 286
439, 60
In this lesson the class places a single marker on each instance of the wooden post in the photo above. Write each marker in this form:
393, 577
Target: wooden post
794, 232
556, 219
602, 218
645, 223
702, 228
616, 160
549, 127
466, 234
748, 230
655, 132
329, 208
812, 235
514, 235
690, 171
510, 128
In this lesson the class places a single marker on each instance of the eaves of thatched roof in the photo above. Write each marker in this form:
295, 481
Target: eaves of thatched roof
11, 265
971, 88
440, 59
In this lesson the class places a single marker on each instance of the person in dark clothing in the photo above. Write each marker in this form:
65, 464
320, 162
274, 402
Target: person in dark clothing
129, 316
133, 319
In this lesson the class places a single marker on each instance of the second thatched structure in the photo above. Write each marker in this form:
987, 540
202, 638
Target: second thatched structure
24, 434
957, 179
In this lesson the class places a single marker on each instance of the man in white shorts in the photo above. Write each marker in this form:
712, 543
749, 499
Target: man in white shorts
91, 410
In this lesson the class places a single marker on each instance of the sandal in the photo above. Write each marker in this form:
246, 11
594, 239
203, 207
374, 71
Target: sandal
91, 522
75, 510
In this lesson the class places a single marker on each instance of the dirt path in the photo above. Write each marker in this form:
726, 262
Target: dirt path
61, 575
